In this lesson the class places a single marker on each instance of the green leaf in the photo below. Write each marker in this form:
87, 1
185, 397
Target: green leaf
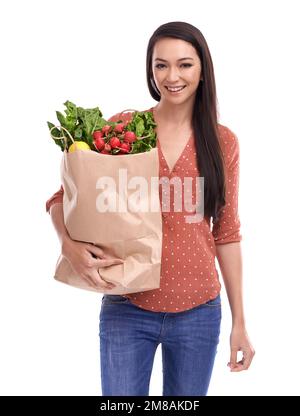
56, 133
140, 127
71, 116
143, 125
91, 120
78, 133
61, 118
99, 124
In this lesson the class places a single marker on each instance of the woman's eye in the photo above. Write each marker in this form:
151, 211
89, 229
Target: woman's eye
161, 65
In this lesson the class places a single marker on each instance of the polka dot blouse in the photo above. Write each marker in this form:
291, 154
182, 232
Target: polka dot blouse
188, 272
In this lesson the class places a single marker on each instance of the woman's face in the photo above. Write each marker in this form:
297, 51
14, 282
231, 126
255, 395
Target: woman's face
171, 70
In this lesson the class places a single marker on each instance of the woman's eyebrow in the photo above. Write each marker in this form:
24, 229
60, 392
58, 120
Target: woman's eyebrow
164, 60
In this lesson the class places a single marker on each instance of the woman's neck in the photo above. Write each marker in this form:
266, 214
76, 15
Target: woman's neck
175, 115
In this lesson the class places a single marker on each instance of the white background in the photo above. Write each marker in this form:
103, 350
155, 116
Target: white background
93, 53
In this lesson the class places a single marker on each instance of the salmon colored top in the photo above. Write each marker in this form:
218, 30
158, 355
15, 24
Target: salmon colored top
188, 272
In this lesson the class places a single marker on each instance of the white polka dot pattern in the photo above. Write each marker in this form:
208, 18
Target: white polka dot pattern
188, 272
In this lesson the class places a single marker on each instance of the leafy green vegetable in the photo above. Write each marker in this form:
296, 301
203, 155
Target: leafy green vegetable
143, 125
90, 120
82, 123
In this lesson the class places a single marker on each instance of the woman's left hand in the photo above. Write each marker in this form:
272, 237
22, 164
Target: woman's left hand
239, 341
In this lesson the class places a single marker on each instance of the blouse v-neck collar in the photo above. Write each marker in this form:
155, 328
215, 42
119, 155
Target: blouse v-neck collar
178, 161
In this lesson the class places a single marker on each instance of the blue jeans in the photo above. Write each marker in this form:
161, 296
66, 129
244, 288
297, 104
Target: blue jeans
129, 336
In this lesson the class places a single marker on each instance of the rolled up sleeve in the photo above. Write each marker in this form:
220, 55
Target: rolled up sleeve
227, 227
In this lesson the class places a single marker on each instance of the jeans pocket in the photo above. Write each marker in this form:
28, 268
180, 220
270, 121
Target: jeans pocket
114, 299
214, 303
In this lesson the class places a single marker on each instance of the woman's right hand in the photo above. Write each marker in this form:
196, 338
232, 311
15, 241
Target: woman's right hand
80, 255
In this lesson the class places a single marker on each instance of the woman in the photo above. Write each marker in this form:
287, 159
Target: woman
184, 313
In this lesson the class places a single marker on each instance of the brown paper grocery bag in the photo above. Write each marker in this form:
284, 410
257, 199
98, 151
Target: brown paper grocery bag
133, 236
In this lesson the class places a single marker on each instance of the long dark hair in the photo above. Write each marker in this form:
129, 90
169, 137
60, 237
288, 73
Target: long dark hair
204, 120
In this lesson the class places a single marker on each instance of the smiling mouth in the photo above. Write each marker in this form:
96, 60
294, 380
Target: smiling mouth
175, 89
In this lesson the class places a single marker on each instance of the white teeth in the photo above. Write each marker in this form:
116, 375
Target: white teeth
175, 89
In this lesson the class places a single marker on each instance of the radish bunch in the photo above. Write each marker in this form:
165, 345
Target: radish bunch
114, 140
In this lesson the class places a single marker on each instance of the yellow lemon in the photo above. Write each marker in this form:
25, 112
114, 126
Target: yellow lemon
79, 146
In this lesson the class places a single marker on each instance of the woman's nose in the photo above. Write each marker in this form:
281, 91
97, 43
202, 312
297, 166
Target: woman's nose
172, 75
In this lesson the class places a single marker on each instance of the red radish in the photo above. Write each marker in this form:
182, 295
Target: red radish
105, 152
106, 129
119, 128
114, 142
125, 147
130, 136
107, 147
97, 134
99, 143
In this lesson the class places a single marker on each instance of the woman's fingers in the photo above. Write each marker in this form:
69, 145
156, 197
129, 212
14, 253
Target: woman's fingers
244, 363
107, 262
248, 357
98, 282
97, 251
239, 341
101, 260
233, 358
